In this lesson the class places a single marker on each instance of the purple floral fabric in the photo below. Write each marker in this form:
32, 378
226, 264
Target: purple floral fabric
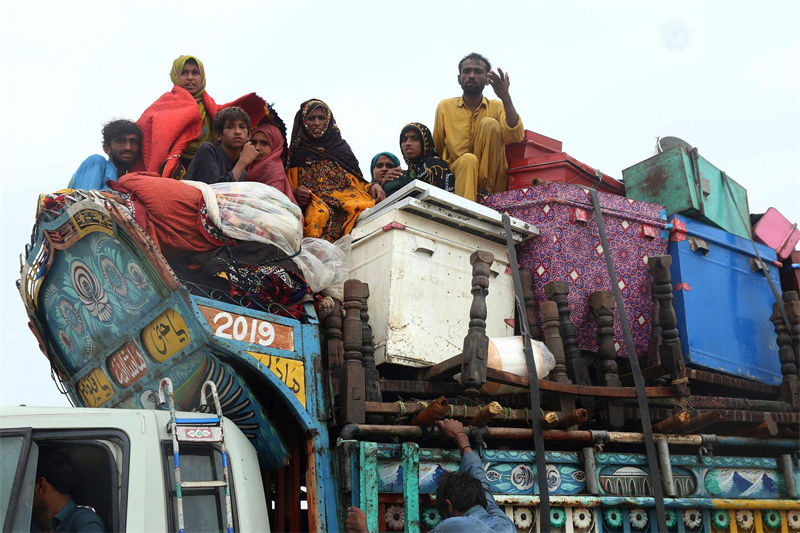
568, 249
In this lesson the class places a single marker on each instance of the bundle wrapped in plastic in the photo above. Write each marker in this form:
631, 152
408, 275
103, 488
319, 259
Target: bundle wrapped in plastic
325, 265
252, 211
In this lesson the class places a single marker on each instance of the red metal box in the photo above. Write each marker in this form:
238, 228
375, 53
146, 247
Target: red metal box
775, 230
568, 249
532, 145
561, 168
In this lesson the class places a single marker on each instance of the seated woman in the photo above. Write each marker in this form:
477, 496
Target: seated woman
385, 167
176, 124
269, 140
324, 174
416, 144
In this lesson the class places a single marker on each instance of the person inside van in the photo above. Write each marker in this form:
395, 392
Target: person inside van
229, 157
53, 506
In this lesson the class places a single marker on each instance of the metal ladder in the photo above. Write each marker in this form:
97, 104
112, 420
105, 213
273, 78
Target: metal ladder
206, 430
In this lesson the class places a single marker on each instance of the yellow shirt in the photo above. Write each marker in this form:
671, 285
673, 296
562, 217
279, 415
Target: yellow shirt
454, 129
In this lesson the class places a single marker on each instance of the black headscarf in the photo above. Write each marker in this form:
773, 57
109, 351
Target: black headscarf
305, 149
428, 166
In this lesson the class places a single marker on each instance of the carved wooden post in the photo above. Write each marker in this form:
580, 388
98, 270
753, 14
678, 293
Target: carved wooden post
531, 306
790, 299
790, 387
558, 291
371, 375
653, 343
603, 304
476, 343
670, 350
552, 339
353, 393
334, 347
655, 331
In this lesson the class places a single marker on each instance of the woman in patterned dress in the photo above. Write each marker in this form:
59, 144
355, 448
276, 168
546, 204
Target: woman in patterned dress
324, 174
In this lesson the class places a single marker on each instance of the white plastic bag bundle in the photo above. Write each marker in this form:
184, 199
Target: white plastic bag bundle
325, 265
252, 211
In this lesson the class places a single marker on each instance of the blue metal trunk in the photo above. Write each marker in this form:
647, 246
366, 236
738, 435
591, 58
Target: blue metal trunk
723, 305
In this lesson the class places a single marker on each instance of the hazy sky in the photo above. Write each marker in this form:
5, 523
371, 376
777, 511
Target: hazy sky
606, 78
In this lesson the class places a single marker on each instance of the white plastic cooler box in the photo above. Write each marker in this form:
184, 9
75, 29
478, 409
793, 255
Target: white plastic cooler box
413, 250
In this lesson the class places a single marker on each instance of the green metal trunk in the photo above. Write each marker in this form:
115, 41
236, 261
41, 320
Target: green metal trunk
685, 183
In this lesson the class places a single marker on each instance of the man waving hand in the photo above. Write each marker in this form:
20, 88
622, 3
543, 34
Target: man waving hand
471, 131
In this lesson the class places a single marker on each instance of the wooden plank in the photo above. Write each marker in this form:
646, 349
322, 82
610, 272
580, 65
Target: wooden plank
723, 380
294, 490
735, 417
648, 373
311, 487
432, 388
445, 369
579, 390
411, 486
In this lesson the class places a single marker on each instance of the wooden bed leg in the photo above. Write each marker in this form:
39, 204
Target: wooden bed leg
558, 292
334, 349
653, 358
353, 393
531, 305
476, 343
603, 304
552, 339
371, 376
670, 350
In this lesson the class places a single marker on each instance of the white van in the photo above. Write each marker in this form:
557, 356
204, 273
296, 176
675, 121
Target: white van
123, 462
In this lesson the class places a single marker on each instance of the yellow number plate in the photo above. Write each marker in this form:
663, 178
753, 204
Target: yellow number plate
289, 371
165, 336
95, 389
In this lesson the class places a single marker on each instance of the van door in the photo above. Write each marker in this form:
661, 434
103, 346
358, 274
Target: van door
18, 457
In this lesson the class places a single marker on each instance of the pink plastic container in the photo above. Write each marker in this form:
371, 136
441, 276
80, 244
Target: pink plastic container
777, 232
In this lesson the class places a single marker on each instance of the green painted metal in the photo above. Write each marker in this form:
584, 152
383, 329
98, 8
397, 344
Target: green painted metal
368, 481
411, 486
691, 186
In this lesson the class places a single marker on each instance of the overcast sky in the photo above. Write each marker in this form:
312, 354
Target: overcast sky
606, 78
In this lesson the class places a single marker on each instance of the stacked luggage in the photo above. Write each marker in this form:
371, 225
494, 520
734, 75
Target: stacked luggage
727, 275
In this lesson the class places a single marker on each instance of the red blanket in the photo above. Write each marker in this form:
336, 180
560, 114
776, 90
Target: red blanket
173, 121
172, 215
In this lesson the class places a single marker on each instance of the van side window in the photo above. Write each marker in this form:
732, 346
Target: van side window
80, 463
203, 508
18, 455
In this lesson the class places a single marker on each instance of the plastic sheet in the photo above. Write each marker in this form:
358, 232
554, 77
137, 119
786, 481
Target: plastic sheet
252, 211
326, 265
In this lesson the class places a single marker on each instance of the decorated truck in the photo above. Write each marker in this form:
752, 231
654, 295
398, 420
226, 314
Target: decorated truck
280, 418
